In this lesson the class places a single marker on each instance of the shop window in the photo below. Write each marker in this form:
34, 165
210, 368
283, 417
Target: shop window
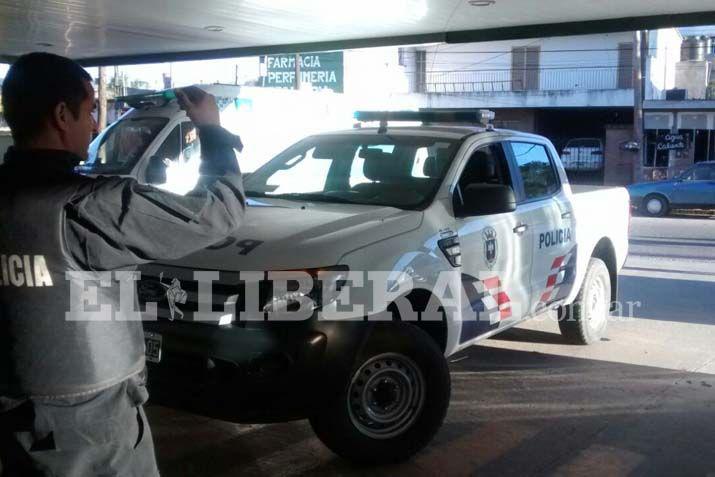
704, 145
655, 158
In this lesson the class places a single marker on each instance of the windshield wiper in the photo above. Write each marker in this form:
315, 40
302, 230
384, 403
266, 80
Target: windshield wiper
255, 193
315, 197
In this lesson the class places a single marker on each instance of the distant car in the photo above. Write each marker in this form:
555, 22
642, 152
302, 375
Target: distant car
693, 189
583, 154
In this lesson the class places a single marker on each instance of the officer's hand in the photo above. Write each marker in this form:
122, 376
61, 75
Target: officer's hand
199, 106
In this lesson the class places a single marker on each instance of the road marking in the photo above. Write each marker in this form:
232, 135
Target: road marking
487, 443
598, 460
296, 459
668, 275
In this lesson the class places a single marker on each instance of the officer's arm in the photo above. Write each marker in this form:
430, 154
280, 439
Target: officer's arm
119, 222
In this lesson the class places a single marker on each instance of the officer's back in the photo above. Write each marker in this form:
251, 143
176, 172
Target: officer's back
69, 345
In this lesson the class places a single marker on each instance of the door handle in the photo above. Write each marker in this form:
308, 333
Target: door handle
520, 229
566, 215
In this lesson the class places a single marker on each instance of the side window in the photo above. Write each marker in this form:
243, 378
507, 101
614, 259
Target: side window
487, 165
181, 143
536, 170
703, 173
190, 142
171, 147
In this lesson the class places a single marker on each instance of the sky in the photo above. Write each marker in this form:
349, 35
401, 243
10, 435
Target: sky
184, 73
702, 30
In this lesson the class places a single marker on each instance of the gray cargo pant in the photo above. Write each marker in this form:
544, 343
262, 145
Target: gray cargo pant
103, 434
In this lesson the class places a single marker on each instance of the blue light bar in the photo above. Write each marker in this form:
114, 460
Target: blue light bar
145, 100
482, 116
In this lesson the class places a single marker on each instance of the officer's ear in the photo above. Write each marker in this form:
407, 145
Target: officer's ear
61, 116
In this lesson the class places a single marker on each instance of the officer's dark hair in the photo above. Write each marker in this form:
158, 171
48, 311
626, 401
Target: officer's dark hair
35, 84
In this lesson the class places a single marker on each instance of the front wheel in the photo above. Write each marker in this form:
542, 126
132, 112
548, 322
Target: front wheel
585, 321
395, 401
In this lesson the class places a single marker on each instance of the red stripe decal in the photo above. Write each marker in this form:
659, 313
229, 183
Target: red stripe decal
504, 314
551, 281
558, 261
491, 283
545, 297
502, 298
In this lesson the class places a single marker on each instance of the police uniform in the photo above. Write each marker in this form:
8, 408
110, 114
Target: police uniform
72, 389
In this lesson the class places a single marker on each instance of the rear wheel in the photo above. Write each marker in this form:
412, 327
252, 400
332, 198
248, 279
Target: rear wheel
656, 206
395, 401
585, 321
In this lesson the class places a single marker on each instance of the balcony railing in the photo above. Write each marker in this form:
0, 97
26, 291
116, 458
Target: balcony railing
544, 79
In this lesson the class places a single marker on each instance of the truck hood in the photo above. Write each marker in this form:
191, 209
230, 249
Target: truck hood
300, 235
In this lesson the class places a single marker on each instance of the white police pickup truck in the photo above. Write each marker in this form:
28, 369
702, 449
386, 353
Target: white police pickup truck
479, 230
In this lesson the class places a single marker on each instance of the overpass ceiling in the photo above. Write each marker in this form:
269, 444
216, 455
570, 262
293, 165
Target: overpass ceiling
140, 31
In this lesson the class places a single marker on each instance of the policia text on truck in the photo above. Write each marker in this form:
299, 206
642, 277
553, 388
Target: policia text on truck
71, 391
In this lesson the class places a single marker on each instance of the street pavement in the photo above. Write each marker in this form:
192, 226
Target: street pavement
640, 402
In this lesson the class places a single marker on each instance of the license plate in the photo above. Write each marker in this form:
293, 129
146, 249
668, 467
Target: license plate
153, 346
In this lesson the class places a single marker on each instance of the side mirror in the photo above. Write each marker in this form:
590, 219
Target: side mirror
484, 199
156, 171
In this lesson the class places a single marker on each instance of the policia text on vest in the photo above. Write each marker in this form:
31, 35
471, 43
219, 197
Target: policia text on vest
24, 271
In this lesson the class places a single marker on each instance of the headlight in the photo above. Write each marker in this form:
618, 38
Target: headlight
327, 283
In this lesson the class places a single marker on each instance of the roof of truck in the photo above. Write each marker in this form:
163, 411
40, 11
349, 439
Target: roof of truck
447, 131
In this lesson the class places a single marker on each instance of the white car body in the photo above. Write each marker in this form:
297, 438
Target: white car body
299, 235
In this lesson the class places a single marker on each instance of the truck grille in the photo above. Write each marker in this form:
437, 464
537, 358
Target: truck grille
153, 287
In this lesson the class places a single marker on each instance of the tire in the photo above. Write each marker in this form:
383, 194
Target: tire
395, 354
656, 206
585, 321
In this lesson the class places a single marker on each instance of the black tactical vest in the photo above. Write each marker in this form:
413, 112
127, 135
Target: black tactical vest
43, 351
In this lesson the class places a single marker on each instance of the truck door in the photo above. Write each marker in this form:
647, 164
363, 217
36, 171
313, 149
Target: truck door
549, 215
496, 250
174, 163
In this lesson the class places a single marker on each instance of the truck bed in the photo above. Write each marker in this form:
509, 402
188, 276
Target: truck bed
583, 189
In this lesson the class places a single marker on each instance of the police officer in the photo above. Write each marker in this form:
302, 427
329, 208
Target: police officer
72, 390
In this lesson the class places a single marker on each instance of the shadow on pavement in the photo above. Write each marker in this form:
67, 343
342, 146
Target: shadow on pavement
530, 336
512, 413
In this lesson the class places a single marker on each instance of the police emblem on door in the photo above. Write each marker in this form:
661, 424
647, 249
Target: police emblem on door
491, 247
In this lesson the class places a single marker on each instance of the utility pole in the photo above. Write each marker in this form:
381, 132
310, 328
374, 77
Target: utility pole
102, 99
639, 57
297, 71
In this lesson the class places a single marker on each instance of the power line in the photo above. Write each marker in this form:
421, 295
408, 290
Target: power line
564, 50
497, 70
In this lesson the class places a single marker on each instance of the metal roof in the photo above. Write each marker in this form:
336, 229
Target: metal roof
144, 31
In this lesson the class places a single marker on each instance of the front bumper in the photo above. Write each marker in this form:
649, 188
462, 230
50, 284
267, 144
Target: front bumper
266, 372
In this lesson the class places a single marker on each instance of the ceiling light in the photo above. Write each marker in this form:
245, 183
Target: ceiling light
214, 28
481, 3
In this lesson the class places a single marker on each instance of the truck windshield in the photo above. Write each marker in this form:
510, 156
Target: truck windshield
118, 149
398, 171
